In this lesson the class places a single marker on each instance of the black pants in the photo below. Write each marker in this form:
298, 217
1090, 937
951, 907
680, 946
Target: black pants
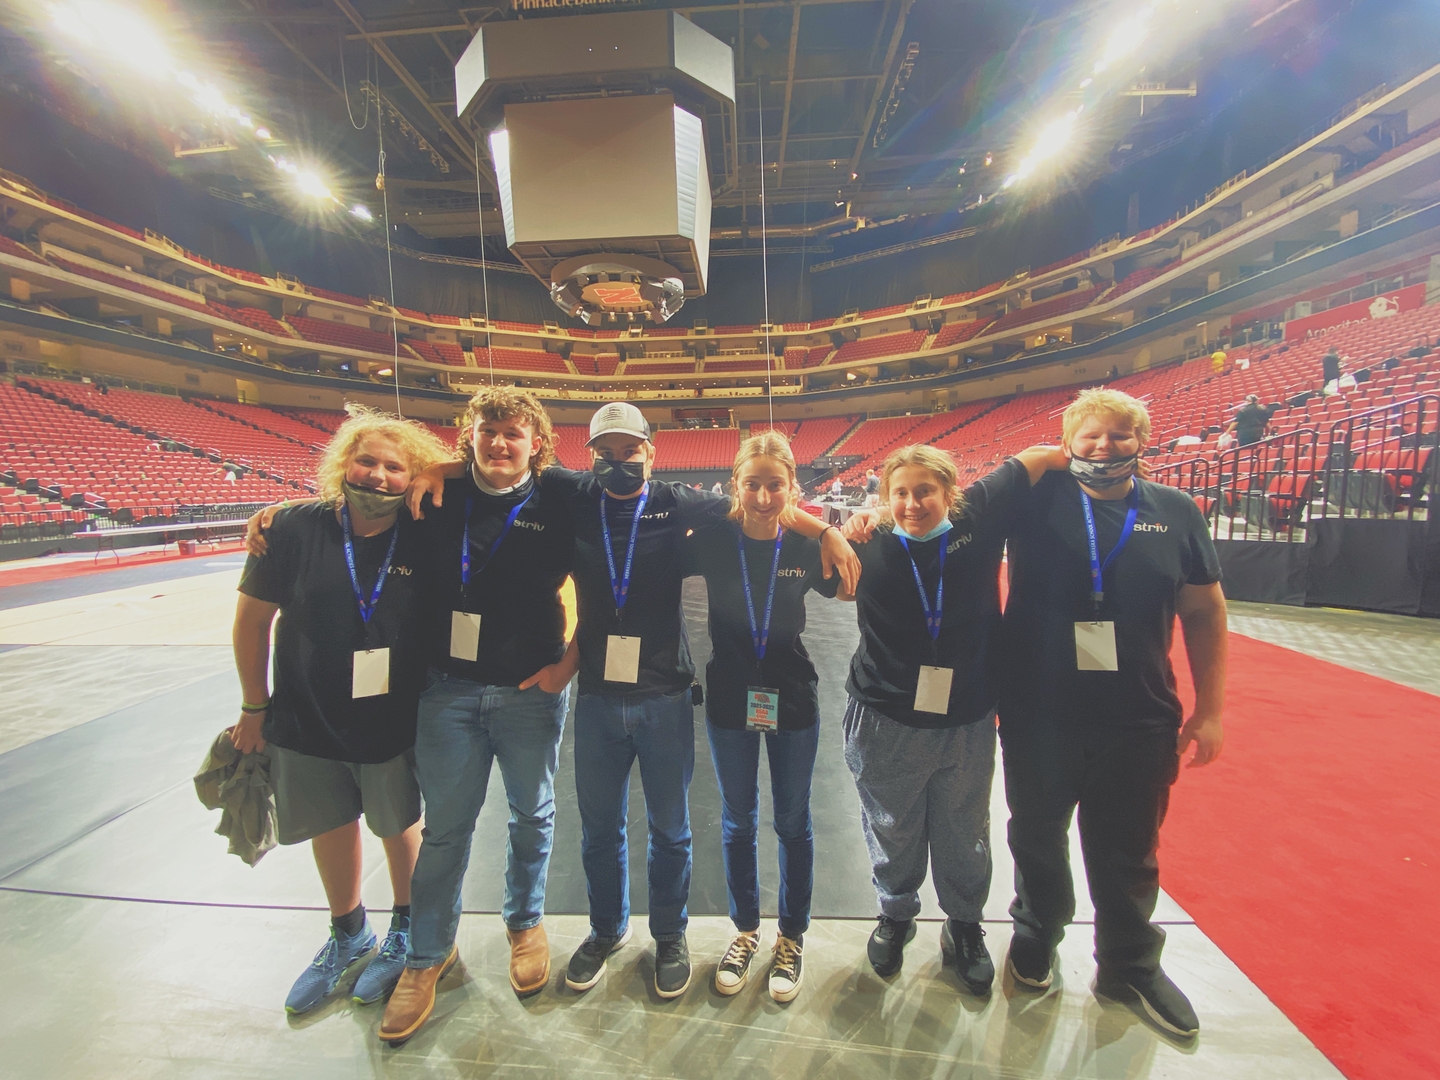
1120, 780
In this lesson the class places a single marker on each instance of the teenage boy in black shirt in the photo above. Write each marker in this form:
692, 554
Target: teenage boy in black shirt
1089, 715
346, 574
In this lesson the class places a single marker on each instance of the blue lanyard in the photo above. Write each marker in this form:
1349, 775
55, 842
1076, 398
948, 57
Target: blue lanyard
465, 540
1098, 568
759, 636
621, 589
932, 615
366, 610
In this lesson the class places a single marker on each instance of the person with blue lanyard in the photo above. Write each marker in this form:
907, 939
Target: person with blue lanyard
346, 574
761, 689
501, 547
1101, 563
920, 722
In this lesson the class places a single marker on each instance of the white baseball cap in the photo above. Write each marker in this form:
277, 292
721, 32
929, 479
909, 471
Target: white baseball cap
618, 417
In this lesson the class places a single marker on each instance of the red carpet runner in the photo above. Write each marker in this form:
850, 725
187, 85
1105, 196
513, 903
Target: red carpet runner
1309, 853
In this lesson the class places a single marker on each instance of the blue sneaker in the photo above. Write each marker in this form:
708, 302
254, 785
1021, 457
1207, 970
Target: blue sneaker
318, 981
383, 972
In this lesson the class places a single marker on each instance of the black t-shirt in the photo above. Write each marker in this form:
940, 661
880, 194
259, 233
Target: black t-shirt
517, 594
713, 550
894, 640
652, 607
1250, 422
1050, 592
304, 571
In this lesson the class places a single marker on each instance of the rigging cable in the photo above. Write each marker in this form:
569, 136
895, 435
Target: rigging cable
765, 257
484, 278
389, 264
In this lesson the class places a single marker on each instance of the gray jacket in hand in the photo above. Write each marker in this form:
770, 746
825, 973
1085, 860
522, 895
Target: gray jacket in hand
239, 784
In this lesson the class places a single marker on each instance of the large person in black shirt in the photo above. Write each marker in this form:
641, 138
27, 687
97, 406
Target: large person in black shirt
1089, 715
920, 723
346, 576
762, 686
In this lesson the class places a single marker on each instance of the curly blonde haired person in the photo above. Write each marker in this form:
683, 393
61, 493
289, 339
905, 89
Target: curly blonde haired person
499, 403
418, 444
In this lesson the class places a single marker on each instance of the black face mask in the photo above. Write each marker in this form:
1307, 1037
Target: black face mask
619, 477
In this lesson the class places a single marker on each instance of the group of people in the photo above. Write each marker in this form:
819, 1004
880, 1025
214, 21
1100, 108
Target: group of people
429, 584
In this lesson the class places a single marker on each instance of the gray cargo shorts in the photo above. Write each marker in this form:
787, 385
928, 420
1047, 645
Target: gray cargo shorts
314, 795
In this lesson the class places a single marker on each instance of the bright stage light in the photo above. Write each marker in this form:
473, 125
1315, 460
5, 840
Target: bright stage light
119, 32
361, 211
308, 183
1124, 39
1053, 139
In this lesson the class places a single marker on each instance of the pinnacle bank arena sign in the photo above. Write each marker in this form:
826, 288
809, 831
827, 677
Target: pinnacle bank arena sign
558, 5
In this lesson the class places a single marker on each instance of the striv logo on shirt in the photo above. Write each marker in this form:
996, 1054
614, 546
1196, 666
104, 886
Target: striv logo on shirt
1151, 526
790, 571
402, 570
958, 542
537, 526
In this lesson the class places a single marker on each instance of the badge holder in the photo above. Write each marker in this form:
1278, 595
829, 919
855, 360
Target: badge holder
622, 653
1095, 647
622, 659
370, 676
932, 689
465, 635
762, 709
465, 625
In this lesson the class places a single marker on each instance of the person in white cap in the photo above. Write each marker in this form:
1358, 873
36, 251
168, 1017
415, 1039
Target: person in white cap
636, 677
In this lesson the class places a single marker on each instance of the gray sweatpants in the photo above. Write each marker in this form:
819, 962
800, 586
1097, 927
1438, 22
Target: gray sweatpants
924, 793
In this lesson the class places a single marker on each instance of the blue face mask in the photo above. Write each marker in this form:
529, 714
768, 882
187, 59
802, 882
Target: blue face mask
939, 530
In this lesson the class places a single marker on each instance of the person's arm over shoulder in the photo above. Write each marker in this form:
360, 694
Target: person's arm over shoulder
699, 546
815, 579
697, 509
1001, 492
271, 577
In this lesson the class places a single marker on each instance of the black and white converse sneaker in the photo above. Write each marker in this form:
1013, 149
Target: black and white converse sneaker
1031, 965
734, 967
672, 967
786, 970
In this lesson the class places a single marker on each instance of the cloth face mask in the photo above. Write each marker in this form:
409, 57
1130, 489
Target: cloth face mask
368, 504
1111, 472
945, 526
619, 477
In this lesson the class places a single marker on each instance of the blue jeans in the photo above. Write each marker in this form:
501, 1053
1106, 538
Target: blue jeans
792, 765
463, 727
611, 731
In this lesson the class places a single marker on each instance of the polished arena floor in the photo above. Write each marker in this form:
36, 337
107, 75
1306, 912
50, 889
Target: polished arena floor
135, 947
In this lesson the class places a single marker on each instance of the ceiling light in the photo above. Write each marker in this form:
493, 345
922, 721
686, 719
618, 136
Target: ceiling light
116, 31
385, 372
1054, 137
308, 183
361, 211
262, 133
1124, 39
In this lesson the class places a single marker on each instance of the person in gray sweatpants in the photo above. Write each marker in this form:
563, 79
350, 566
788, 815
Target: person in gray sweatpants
920, 724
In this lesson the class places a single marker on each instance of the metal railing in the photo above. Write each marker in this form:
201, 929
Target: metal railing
1381, 463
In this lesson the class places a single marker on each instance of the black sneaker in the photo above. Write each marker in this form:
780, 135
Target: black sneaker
963, 944
1159, 999
734, 966
787, 969
1031, 965
672, 968
588, 963
887, 944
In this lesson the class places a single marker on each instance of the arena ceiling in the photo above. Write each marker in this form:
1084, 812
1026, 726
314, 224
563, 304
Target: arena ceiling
873, 110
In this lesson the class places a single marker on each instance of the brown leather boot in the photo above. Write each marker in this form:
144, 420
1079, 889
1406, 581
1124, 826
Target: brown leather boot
529, 959
413, 1000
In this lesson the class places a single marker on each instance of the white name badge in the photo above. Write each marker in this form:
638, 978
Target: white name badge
762, 708
371, 674
622, 659
1095, 646
464, 635
932, 691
